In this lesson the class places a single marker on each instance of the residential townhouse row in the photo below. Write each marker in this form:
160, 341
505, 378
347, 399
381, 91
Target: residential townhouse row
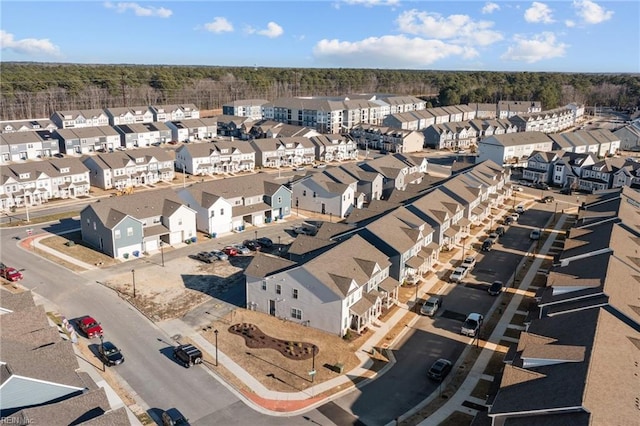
576, 362
348, 274
42, 382
514, 149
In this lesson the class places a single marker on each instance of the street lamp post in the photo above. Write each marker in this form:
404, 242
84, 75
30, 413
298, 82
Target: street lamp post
133, 276
102, 352
162, 252
313, 363
255, 234
215, 332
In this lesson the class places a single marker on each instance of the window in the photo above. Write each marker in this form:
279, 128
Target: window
221, 212
304, 193
129, 231
264, 285
279, 200
278, 289
314, 194
296, 314
117, 234
295, 293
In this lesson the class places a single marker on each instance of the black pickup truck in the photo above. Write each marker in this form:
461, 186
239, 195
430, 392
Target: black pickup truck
187, 355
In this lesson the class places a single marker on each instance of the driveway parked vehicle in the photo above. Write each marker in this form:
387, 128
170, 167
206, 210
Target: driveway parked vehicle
252, 245
109, 354
548, 199
495, 288
508, 220
241, 249
230, 251
517, 188
520, 209
89, 327
500, 230
458, 274
541, 185
535, 234
187, 355
204, 256
431, 306
514, 217
566, 191
487, 245
493, 237
439, 369
173, 417
219, 254
468, 263
265, 242
472, 324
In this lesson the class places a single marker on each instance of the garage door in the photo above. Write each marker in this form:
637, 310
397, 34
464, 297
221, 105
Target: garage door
151, 245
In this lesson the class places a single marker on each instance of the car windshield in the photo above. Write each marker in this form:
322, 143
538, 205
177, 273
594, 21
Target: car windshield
471, 324
431, 304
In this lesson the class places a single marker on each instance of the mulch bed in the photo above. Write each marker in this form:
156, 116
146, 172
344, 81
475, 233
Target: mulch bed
256, 339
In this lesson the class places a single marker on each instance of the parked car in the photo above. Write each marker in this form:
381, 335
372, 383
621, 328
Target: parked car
109, 354
89, 327
508, 220
230, 251
517, 188
173, 417
535, 234
468, 263
515, 217
472, 324
500, 230
320, 166
265, 242
204, 256
439, 369
493, 237
10, 274
458, 274
187, 355
431, 306
299, 169
566, 191
241, 249
541, 185
219, 254
520, 209
487, 245
548, 199
495, 288
252, 245
173, 142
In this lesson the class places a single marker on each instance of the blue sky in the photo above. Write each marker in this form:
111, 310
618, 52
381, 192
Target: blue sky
562, 36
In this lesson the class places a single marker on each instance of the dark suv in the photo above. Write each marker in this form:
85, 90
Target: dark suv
188, 355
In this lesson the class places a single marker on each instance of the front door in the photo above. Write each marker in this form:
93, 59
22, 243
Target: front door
323, 208
272, 307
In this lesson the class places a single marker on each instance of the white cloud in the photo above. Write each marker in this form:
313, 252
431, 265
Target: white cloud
538, 13
590, 12
28, 46
569, 23
273, 30
138, 10
455, 28
490, 8
392, 50
540, 47
219, 25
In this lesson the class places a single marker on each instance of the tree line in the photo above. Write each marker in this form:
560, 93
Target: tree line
36, 90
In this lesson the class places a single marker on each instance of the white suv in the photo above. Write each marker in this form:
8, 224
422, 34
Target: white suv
458, 274
471, 325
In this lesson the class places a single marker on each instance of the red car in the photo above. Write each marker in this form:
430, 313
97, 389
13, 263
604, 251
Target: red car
11, 274
89, 327
230, 251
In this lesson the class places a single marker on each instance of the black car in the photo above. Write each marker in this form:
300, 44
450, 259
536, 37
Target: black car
487, 245
109, 354
542, 185
439, 369
495, 288
265, 242
173, 417
548, 199
188, 355
252, 245
500, 230
566, 191
508, 220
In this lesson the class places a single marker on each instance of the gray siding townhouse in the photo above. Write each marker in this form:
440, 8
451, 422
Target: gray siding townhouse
490, 127
513, 149
583, 321
568, 168
11, 126
550, 121
139, 225
475, 210
166, 113
334, 148
451, 135
318, 293
121, 170
22, 146
507, 109
35, 183
80, 118
627, 175
283, 152
540, 166
397, 170
227, 205
129, 115
251, 108
215, 157
370, 183
600, 175
234, 126
629, 136
41, 379
143, 134
600, 142
485, 111
85, 140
